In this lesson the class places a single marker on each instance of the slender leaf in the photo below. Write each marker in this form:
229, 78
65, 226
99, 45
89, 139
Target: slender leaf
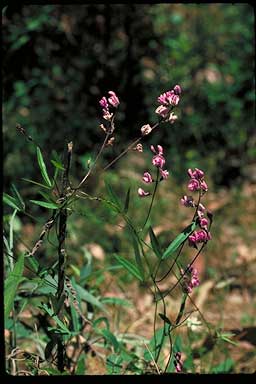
11, 201
18, 196
57, 165
113, 197
45, 204
88, 297
137, 255
127, 201
99, 320
110, 337
116, 301
11, 285
36, 183
42, 167
224, 367
51, 313
174, 245
155, 243
155, 344
130, 267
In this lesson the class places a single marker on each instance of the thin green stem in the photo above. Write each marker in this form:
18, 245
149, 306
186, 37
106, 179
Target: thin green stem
152, 200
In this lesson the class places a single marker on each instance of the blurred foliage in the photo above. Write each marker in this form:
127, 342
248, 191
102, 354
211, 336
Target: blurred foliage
60, 59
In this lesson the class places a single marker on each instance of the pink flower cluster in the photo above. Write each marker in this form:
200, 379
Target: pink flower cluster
190, 279
158, 161
201, 236
104, 103
178, 362
168, 100
197, 182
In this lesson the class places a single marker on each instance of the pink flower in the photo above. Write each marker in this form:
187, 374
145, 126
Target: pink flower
158, 161
142, 193
203, 222
201, 236
190, 279
177, 89
147, 178
160, 149
204, 186
113, 99
196, 174
187, 201
194, 185
174, 100
178, 362
200, 211
146, 129
163, 98
163, 111
153, 148
104, 103
164, 174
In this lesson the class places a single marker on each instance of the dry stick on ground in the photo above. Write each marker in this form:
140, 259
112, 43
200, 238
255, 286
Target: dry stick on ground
62, 254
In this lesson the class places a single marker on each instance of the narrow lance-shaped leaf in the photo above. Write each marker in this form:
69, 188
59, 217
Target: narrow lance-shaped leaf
127, 200
11, 201
18, 196
57, 165
42, 167
36, 183
45, 204
130, 267
113, 197
110, 337
11, 285
155, 243
179, 240
137, 255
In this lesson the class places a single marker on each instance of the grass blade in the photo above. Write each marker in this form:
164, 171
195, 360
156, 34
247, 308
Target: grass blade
11, 285
130, 267
42, 167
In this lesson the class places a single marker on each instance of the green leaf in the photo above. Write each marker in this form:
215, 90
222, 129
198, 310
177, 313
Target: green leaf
45, 204
155, 344
99, 320
32, 263
114, 364
42, 167
88, 297
113, 197
36, 183
57, 165
116, 301
11, 285
11, 201
127, 200
130, 267
110, 337
51, 313
224, 367
137, 255
18, 196
179, 240
155, 243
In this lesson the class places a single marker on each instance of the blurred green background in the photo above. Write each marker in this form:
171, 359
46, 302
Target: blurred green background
59, 60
